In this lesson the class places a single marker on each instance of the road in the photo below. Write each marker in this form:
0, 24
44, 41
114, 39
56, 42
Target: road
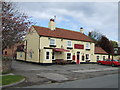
107, 81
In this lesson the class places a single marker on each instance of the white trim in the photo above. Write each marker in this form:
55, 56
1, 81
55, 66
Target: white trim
71, 56
54, 55
88, 57
45, 55
97, 56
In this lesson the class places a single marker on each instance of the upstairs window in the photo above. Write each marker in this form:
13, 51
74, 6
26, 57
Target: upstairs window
88, 46
69, 43
52, 41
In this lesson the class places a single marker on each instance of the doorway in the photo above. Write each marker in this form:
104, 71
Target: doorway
78, 58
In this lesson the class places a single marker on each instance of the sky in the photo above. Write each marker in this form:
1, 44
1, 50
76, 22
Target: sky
92, 16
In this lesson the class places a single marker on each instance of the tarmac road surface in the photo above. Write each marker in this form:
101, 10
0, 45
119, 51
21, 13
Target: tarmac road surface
107, 81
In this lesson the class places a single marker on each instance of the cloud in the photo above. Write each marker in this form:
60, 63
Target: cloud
72, 15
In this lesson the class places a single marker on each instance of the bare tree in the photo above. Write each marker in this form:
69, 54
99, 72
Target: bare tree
14, 24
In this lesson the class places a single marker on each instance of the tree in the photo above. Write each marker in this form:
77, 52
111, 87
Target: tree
114, 43
106, 45
95, 36
14, 24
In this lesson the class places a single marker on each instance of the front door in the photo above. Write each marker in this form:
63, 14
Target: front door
78, 58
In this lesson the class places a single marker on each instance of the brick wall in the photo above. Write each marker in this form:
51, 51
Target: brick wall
6, 65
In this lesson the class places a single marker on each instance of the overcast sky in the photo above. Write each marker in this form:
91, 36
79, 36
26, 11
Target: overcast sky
92, 16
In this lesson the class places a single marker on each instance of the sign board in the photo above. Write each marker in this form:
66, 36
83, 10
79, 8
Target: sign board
78, 46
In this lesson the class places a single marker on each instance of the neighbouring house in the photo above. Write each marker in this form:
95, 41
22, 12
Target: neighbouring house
48, 45
100, 54
11, 50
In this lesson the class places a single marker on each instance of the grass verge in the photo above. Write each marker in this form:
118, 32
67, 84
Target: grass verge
9, 79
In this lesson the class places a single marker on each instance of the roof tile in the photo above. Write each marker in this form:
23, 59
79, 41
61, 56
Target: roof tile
99, 50
62, 33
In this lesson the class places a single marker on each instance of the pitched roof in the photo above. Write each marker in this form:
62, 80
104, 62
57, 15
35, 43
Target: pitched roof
62, 33
99, 50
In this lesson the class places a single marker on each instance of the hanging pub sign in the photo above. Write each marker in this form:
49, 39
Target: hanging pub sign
78, 46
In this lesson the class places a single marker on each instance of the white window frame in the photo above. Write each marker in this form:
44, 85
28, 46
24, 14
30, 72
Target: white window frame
69, 43
88, 56
70, 56
103, 57
97, 57
87, 45
51, 42
46, 55
54, 55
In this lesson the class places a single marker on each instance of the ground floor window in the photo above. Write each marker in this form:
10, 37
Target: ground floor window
20, 54
47, 55
69, 56
97, 58
30, 54
83, 57
87, 56
103, 57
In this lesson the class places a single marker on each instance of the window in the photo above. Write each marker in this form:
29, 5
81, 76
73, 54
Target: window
5, 52
87, 45
69, 56
53, 56
30, 54
20, 54
82, 57
97, 58
52, 41
47, 55
69, 44
87, 56
103, 57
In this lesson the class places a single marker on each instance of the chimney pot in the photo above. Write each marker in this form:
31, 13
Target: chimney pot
52, 20
81, 28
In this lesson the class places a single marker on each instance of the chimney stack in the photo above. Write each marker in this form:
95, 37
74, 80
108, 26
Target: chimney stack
52, 24
82, 30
